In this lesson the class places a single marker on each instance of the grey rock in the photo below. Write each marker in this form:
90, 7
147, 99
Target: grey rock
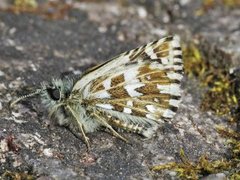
33, 50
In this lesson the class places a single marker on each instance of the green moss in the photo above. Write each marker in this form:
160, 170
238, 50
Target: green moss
233, 139
194, 170
221, 98
235, 176
25, 3
48, 9
218, 83
231, 3
208, 5
8, 175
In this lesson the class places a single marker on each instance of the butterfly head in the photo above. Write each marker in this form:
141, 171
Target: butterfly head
56, 92
51, 93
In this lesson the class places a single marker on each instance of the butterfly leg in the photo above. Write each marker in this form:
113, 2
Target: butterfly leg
102, 120
86, 139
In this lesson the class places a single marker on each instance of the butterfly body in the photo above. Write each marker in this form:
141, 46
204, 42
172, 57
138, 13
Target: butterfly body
135, 91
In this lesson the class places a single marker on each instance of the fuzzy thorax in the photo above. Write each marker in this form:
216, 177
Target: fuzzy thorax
66, 106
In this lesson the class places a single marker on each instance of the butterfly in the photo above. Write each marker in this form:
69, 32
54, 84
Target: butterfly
135, 91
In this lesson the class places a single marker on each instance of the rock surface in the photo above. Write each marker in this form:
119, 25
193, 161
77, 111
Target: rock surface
34, 49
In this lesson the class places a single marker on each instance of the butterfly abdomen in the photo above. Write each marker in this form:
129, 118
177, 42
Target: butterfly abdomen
141, 129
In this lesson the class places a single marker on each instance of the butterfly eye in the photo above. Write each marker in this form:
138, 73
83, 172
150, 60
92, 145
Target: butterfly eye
54, 93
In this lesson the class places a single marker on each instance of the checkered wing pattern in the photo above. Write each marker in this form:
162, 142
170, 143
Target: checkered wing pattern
138, 89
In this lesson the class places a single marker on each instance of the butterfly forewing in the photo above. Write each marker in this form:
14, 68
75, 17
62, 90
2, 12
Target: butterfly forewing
138, 86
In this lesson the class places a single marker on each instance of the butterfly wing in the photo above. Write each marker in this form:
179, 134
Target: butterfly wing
140, 87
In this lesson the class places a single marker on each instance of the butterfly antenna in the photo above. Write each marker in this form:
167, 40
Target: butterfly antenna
38, 91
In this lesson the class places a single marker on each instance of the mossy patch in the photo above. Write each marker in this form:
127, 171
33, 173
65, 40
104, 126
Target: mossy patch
208, 5
48, 10
222, 98
24, 4
203, 167
195, 170
8, 175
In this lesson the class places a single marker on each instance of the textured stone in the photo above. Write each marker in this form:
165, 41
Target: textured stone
33, 50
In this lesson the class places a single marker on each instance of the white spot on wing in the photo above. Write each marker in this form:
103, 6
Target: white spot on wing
151, 108
173, 89
131, 89
102, 95
107, 83
173, 75
168, 113
178, 67
177, 52
157, 65
150, 116
174, 102
177, 60
130, 75
151, 53
164, 60
129, 103
156, 99
105, 106
148, 77
127, 110
153, 56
